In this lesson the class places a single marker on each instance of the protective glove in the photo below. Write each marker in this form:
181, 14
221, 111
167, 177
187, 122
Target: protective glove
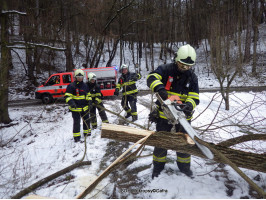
134, 78
116, 92
188, 109
175, 98
72, 104
163, 94
154, 116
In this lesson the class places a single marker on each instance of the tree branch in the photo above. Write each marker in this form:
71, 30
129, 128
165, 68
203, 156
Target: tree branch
243, 138
48, 178
13, 46
229, 162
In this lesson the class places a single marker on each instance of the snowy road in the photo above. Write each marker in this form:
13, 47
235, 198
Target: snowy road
30, 102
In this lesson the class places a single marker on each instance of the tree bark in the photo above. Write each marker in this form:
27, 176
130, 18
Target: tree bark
4, 66
248, 32
177, 142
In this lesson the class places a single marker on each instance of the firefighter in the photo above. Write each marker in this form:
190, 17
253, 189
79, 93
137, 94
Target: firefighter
129, 100
79, 99
175, 81
96, 96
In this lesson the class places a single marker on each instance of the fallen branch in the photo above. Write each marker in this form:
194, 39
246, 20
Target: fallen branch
119, 116
8, 125
233, 165
243, 138
177, 142
120, 160
48, 178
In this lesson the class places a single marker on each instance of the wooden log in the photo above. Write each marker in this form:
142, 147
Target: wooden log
178, 142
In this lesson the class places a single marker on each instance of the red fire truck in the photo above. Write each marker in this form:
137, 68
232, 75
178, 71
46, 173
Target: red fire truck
55, 86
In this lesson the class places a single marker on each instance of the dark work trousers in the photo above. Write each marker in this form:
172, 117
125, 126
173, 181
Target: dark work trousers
86, 123
129, 104
159, 154
102, 114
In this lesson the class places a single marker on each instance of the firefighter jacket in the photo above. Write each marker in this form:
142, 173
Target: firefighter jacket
168, 77
95, 91
128, 83
77, 96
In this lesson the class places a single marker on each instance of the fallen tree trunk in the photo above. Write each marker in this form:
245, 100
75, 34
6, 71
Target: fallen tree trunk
177, 142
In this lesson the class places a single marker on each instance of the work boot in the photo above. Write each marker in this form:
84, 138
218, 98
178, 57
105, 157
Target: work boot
128, 115
187, 172
155, 173
134, 118
77, 139
184, 167
94, 127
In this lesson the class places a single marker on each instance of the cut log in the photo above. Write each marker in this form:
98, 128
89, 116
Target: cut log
178, 142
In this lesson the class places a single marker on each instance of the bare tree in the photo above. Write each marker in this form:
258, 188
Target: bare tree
248, 30
257, 15
223, 62
6, 60
4, 64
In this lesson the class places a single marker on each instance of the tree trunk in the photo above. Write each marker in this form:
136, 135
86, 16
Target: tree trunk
31, 64
226, 99
112, 53
152, 58
248, 34
177, 142
4, 67
68, 52
256, 18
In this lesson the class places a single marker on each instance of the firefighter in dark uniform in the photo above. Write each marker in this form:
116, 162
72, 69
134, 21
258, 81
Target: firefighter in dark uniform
78, 98
96, 96
175, 81
129, 100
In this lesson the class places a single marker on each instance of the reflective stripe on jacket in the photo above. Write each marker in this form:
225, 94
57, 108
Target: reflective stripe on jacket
185, 84
95, 92
128, 83
78, 93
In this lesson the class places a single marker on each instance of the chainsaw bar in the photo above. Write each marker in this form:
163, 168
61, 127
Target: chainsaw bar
175, 116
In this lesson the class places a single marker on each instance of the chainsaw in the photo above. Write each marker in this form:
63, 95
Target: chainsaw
174, 113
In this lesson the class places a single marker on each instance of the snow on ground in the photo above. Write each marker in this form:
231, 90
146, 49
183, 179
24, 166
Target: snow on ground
42, 143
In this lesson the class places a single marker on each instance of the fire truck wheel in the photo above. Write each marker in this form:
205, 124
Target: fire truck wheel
47, 98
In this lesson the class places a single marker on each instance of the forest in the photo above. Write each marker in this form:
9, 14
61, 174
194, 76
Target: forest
61, 35
46, 28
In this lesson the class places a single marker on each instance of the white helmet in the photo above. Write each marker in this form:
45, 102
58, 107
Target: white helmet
186, 55
123, 66
91, 76
79, 72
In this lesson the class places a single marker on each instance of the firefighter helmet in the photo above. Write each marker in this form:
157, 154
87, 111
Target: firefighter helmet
91, 76
124, 66
79, 72
186, 55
